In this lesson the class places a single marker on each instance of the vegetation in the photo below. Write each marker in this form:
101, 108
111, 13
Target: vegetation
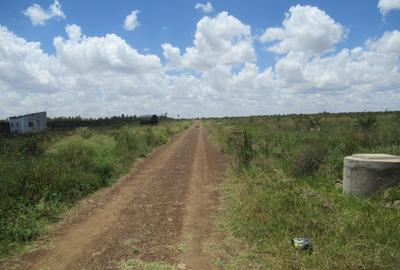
284, 183
43, 174
137, 264
77, 121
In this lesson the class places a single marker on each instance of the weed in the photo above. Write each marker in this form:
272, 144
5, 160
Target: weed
84, 132
182, 248
130, 264
136, 251
136, 264
308, 160
246, 151
367, 122
31, 145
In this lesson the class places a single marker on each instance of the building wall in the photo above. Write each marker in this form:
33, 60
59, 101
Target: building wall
28, 123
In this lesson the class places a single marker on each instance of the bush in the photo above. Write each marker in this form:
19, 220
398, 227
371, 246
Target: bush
246, 149
84, 132
90, 154
31, 145
367, 122
308, 160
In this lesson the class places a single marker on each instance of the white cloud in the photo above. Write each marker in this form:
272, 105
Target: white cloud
389, 43
222, 40
386, 6
172, 55
86, 75
206, 8
24, 66
38, 16
74, 32
216, 76
131, 21
101, 54
372, 68
305, 29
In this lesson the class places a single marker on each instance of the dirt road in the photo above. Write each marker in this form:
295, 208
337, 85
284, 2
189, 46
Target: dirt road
161, 211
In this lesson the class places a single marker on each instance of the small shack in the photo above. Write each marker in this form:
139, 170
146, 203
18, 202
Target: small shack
29, 123
149, 119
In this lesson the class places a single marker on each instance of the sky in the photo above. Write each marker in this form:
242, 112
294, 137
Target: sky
198, 58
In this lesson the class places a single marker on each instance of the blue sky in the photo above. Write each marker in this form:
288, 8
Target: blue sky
180, 17
174, 22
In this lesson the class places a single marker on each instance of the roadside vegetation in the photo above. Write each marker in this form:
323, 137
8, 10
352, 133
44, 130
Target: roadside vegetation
42, 175
136, 264
285, 183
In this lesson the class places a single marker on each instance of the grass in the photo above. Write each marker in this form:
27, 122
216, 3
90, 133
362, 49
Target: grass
137, 264
44, 174
181, 248
287, 188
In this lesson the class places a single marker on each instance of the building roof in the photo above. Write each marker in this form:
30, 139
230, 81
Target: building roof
14, 117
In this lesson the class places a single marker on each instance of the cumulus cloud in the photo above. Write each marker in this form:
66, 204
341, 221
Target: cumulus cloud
38, 16
24, 66
389, 43
386, 6
216, 76
132, 21
305, 29
222, 40
172, 55
371, 68
98, 54
206, 8
74, 32
86, 75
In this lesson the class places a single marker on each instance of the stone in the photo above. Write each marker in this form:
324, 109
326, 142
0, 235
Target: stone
181, 266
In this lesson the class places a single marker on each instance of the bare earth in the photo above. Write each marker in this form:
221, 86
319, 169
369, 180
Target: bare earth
161, 211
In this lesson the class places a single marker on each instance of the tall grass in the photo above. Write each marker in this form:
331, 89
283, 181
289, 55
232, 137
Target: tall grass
41, 175
289, 189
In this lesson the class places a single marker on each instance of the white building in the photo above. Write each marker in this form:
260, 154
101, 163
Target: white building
29, 123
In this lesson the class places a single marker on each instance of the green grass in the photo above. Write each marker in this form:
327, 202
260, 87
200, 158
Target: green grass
42, 175
287, 189
181, 248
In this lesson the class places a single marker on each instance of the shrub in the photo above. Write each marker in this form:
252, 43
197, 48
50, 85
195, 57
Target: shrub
84, 132
246, 151
308, 160
242, 144
130, 142
31, 145
367, 122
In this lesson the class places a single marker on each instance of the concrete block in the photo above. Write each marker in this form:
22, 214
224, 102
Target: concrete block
364, 174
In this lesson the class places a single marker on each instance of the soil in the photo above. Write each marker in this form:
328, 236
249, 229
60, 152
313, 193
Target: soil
161, 211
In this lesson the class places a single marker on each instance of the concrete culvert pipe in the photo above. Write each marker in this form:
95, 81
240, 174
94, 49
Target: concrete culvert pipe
364, 174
